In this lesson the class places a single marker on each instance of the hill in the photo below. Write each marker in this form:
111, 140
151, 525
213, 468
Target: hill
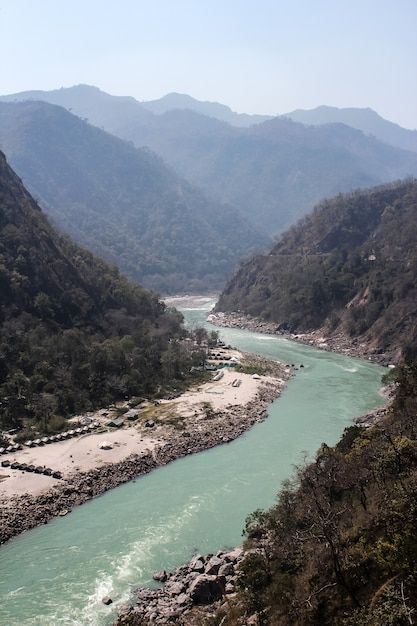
115, 112
109, 112
123, 203
221, 112
350, 266
366, 120
74, 333
274, 172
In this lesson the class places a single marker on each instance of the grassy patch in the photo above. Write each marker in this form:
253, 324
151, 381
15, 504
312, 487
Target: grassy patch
251, 369
166, 413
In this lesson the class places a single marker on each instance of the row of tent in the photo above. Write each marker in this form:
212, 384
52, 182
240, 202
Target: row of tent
13, 448
76, 432
24, 467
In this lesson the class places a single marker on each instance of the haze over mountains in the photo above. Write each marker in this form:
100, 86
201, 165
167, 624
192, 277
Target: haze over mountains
366, 120
273, 172
124, 203
179, 101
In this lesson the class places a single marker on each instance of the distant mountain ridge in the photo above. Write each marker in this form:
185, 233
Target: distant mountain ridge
350, 266
221, 112
273, 172
366, 120
103, 109
124, 203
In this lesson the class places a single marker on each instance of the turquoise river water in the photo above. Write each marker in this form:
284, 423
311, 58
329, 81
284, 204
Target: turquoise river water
58, 573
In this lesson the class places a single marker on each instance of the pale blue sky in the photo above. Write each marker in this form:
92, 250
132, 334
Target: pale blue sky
264, 56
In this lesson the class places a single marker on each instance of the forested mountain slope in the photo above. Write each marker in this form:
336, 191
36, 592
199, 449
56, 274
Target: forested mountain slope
366, 120
74, 333
123, 203
349, 266
273, 172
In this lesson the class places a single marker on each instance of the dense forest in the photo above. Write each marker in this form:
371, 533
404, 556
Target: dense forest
123, 203
273, 171
339, 548
74, 333
350, 266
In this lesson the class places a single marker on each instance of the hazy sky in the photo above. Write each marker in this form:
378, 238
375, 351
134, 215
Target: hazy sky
264, 56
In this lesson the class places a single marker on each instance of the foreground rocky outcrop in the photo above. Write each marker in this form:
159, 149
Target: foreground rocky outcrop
192, 592
319, 338
21, 513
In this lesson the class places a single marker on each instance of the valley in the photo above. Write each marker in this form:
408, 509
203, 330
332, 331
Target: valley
208, 314
162, 527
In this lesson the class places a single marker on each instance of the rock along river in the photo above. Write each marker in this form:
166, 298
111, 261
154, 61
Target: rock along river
58, 573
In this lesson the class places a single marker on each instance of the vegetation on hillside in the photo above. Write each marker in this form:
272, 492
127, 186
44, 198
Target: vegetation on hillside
274, 171
351, 265
123, 203
74, 333
340, 546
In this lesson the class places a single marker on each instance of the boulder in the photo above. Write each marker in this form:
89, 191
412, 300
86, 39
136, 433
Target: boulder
182, 599
106, 600
230, 588
160, 577
234, 555
213, 565
196, 565
207, 589
227, 569
174, 589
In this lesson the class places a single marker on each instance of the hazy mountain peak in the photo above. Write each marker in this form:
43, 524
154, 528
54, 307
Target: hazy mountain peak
175, 100
364, 119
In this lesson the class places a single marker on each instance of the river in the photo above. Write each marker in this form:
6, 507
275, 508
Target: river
58, 573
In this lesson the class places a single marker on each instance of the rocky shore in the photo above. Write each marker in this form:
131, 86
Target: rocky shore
21, 513
336, 342
199, 590
189, 595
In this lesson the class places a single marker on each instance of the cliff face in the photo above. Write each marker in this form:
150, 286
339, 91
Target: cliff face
350, 266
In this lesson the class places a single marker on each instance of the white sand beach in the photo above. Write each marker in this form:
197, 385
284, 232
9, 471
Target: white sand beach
84, 453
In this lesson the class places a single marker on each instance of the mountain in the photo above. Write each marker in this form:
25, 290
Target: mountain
366, 120
350, 266
273, 172
112, 113
221, 112
74, 333
123, 203
117, 112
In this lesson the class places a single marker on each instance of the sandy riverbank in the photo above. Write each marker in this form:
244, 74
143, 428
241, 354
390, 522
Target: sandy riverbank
190, 301
75, 455
208, 414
